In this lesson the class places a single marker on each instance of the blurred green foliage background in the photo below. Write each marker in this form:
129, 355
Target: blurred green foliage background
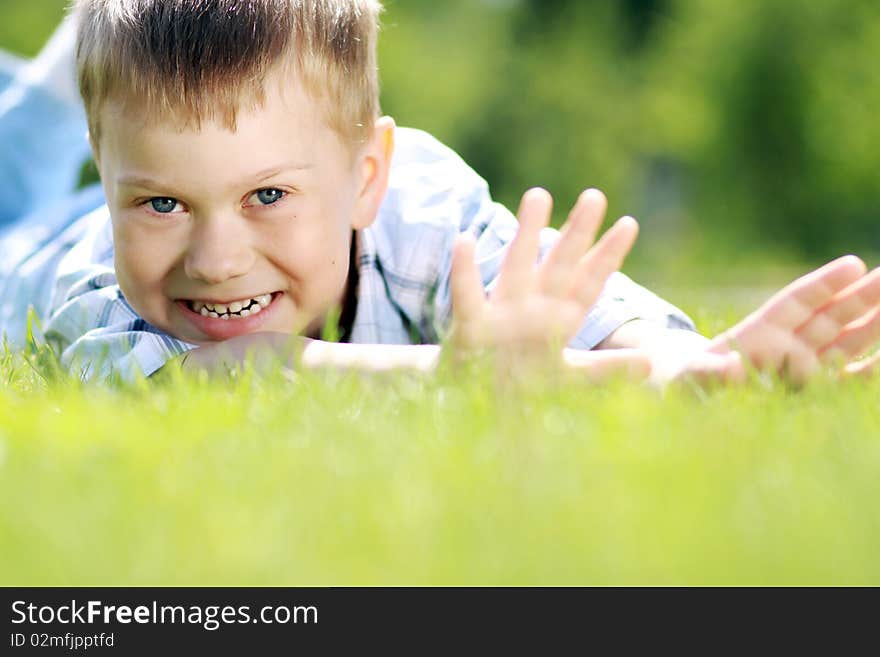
737, 131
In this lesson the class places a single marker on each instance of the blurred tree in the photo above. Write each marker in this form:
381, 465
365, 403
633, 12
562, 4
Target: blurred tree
641, 18
779, 145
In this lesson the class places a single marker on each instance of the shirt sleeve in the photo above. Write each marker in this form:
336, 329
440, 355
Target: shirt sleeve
99, 335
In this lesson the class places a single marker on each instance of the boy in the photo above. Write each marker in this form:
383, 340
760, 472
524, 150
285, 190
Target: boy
251, 189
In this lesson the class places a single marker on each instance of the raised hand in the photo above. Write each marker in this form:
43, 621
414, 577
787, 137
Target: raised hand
831, 315
537, 308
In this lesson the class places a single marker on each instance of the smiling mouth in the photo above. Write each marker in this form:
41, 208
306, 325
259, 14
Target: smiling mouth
232, 310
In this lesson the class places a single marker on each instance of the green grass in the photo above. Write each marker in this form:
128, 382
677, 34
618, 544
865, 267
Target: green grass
453, 479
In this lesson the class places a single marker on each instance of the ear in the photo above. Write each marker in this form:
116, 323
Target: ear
373, 168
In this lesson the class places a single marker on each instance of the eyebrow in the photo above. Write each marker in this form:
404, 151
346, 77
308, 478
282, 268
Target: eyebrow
139, 181
143, 181
289, 166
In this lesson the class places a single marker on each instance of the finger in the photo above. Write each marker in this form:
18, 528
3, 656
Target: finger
603, 260
847, 306
796, 303
576, 237
866, 367
599, 366
857, 299
820, 331
799, 363
468, 295
518, 269
773, 349
855, 339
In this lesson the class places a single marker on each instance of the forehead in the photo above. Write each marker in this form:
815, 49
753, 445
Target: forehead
281, 116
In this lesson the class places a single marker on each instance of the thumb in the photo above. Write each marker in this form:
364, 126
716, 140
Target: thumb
466, 285
713, 369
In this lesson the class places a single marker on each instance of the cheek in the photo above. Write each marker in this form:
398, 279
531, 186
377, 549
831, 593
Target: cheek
141, 262
313, 242
321, 260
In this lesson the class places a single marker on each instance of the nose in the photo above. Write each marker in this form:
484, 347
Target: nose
219, 250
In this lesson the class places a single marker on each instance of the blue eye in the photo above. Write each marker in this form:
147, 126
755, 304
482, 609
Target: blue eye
163, 205
269, 196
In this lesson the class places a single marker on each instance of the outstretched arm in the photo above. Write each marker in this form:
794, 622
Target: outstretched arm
266, 350
829, 316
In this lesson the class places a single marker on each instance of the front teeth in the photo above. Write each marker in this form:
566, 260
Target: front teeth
242, 308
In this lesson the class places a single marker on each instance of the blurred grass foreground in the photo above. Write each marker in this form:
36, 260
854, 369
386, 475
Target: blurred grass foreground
400, 480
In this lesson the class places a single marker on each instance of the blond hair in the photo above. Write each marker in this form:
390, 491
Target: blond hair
203, 60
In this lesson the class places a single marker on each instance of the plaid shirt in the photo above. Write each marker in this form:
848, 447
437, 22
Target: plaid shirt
403, 261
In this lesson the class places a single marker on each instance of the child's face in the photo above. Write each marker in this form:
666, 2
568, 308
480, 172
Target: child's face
221, 233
